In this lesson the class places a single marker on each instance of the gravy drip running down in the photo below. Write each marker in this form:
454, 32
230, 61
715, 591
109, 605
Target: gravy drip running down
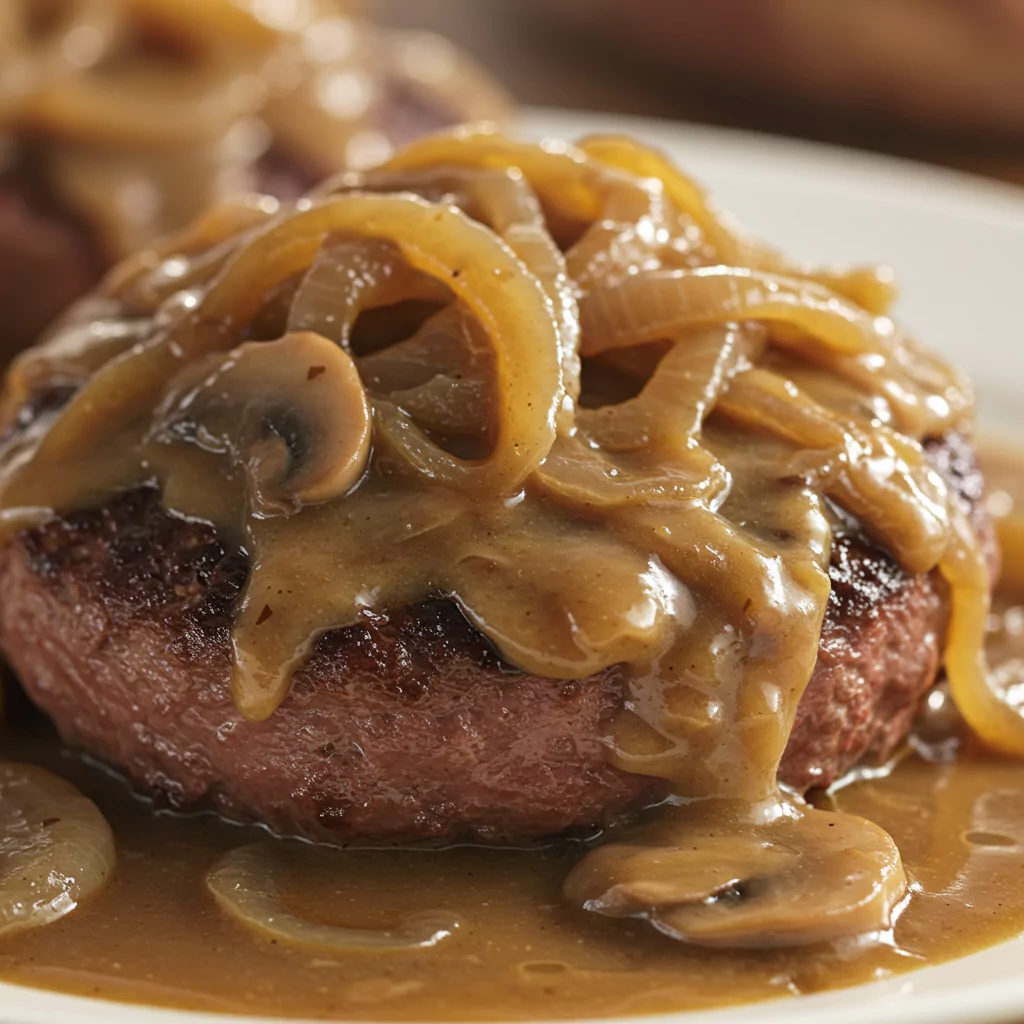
143, 113
614, 431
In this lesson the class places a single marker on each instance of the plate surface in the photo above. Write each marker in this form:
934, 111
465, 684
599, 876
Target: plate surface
958, 246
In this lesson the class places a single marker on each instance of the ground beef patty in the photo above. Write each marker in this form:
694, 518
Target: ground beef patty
408, 725
49, 256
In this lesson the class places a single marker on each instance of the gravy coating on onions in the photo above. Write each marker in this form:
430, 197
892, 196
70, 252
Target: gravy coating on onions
680, 529
143, 112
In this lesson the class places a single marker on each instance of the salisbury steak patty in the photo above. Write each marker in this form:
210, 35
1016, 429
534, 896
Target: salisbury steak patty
47, 258
408, 725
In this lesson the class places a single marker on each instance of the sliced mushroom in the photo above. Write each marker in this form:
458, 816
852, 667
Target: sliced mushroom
292, 412
710, 880
243, 884
56, 849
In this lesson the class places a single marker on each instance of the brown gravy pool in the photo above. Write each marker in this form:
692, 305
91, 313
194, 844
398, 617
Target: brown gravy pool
156, 936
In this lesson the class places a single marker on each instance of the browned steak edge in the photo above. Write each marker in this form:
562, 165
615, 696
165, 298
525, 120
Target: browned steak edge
408, 725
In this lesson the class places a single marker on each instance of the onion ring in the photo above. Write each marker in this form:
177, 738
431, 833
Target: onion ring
439, 241
242, 884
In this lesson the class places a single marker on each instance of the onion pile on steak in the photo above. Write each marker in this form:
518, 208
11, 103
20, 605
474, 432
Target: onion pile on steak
497, 492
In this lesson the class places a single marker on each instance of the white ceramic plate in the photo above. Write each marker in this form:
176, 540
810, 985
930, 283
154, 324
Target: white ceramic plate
958, 245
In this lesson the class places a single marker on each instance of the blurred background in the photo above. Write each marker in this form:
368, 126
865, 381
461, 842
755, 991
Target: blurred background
936, 80
120, 120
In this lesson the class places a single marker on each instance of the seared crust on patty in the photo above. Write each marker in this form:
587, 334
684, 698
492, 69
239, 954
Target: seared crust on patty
408, 725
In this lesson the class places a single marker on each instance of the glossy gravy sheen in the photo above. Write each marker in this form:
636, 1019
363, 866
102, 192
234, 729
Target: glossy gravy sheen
955, 811
683, 534
680, 536
520, 952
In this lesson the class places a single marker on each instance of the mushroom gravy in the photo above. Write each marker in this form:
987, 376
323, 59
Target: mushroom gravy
679, 537
520, 951
677, 532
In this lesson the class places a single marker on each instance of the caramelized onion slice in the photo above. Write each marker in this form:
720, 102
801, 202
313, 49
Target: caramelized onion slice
671, 408
689, 198
650, 306
440, 376
871, 287
610, 250
808, 876
348, 277
440, 241
97, 333
484, 274
503, 199
243, 884
582, 475
993, 710
570, 183
881, 477
521, 224
646, 449
56, 849
918, 393
188, 258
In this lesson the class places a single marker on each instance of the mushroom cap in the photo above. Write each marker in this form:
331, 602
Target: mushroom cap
293, 413
807, 876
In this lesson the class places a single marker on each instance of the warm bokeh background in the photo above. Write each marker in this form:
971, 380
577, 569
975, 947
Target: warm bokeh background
937, 80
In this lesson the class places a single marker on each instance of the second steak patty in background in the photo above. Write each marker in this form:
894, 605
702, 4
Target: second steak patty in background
408, 725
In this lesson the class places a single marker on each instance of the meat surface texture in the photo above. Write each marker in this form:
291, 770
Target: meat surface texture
408, 725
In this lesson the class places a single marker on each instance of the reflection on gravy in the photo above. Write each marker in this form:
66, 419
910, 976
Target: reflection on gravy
519, 951
680, 537
515, 950
659, 528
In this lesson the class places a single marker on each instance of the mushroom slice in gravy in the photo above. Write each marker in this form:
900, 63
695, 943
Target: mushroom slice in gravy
803, 876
